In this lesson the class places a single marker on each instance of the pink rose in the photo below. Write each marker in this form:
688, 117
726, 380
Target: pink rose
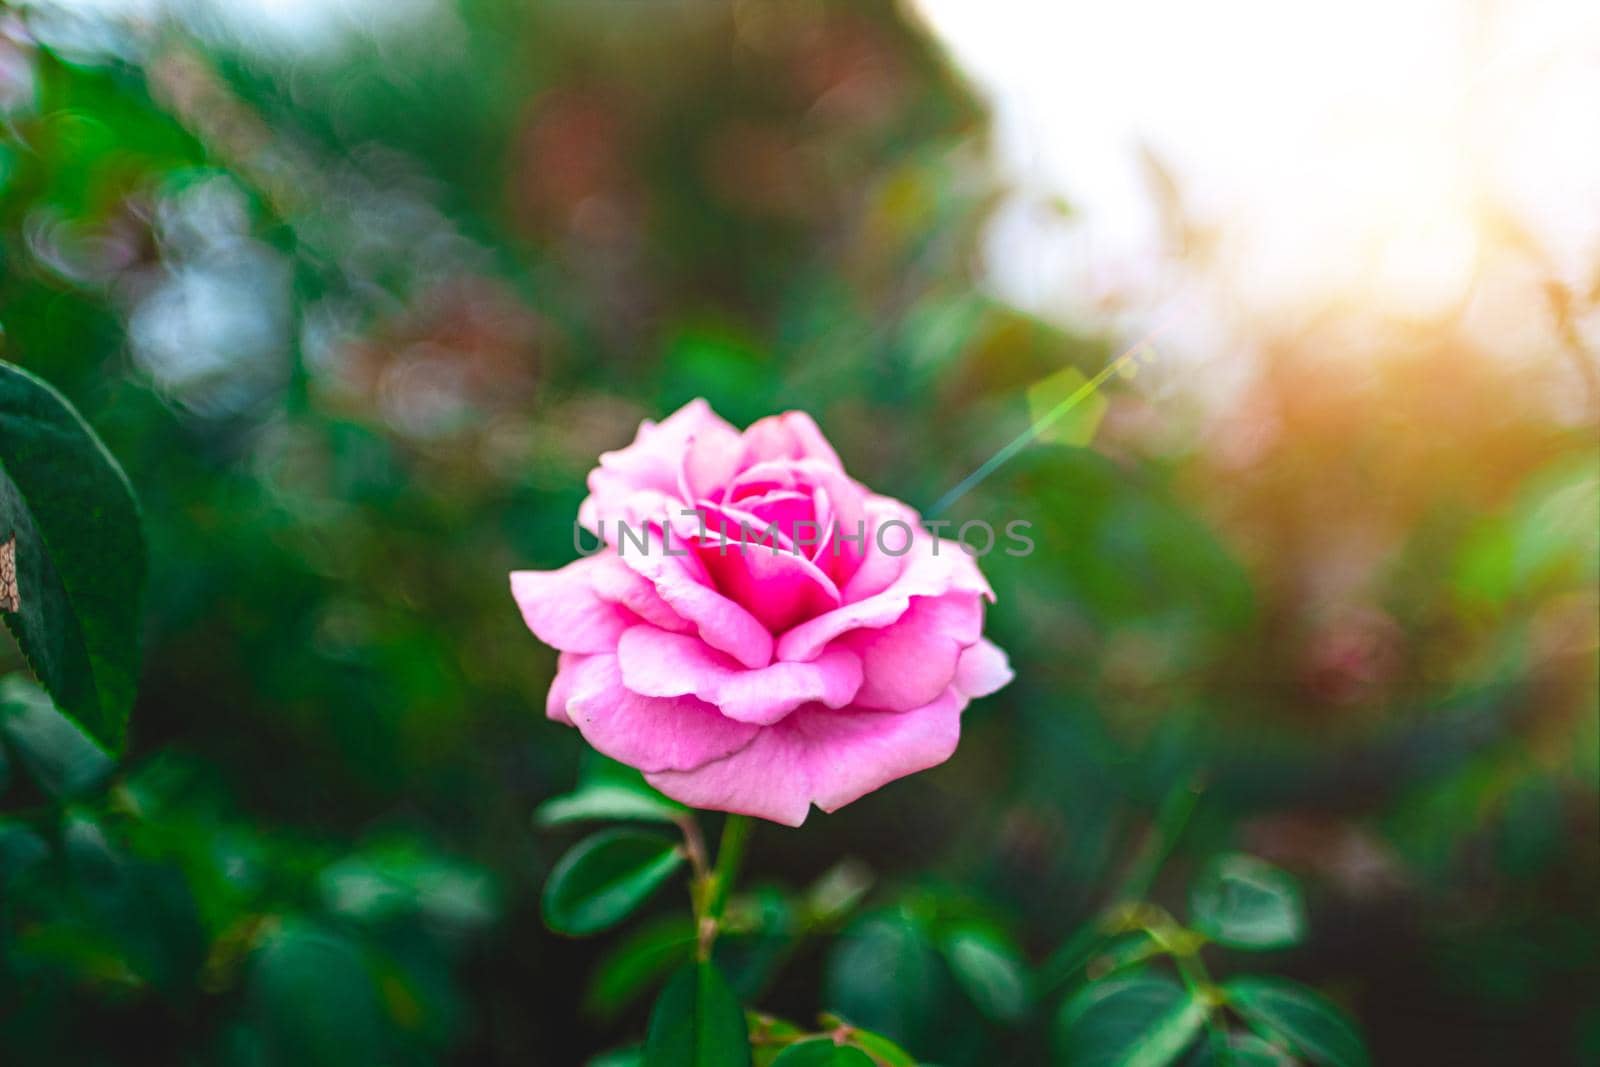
785, 638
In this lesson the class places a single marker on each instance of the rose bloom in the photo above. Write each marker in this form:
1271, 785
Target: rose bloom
785, 637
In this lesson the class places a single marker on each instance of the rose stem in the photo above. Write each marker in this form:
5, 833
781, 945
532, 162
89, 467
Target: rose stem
730, 852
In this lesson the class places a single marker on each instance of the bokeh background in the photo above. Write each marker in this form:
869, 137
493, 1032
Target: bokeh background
358, 290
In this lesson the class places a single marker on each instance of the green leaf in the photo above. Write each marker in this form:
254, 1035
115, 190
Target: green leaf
60, 758
313, 999
640, 961
632, 1056
609, 790
143, 910
885, 974
1122, 952
605, 877
20, 848
760, 930
822, 1052
598, 802
399, 880
697, 1022
1136, 1021
881, 1049
768, 1035
80, 556
1244, 902
1302, 1018
837, 892
1244, 1050
989, 970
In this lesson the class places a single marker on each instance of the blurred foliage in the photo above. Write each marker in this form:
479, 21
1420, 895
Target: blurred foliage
356, 306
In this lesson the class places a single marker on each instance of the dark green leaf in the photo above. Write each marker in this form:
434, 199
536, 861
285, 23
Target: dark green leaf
989, 969
697, 1022
605, 877
759, 932
1302, 1018
1136, 1021
1244, 902
80, 555
20, 848
314, 1000
621, 1057
60, 758
1244, 1050
881, 1049
607, 802
144, 910
822, 1052
636, 964
886, 975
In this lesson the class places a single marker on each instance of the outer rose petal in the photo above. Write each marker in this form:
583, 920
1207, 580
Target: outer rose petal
659, 664
637, 519
983, 669
563, 611
912, 660
555, 702
653, 462
792, 435
710, 462
650, 733
614, 581
819, 756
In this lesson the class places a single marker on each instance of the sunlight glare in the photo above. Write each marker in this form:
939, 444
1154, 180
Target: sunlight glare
1367, 153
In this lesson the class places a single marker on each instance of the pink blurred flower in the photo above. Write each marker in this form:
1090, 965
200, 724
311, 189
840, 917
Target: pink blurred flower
739, 665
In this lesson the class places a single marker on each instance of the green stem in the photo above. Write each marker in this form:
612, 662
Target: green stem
1163, 837
1065, 962
1195, 975
730, 854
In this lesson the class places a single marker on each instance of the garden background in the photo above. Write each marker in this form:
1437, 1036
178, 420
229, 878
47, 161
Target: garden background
357, 300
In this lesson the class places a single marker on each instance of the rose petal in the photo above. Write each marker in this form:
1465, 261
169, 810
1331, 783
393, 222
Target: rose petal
778, 586
660, 664
641, 521
790, 512
614, 581
686, 587
563, 611
911, 661
650, 733
820, 756
555, 702
767, 780
710, 461
654, 461
983, 669
932, 569
851, 753
792, 435
732, 524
